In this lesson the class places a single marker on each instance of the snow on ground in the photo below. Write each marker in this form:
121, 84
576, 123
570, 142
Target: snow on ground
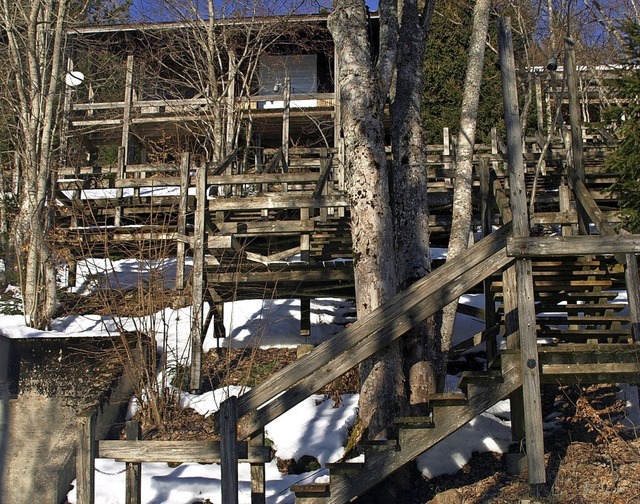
316, 427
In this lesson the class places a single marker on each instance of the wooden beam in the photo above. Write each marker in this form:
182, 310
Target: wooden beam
550, 246
524, 278
182, 219
279, 201
266, 178
198, 279
229, 450
258, 487
85, 458
202, 452
133, 492
148, 182
260, 228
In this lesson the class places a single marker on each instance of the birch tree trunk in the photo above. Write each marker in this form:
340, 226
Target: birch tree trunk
363, 92
422, 360
462, 205
35, 34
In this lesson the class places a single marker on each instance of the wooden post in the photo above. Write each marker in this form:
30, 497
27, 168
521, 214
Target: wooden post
446, 152
128, 99
286, 116
539, 102
632, 281
305, 238
199, 241
182, 219
120, 175
133, 493
524, 276
229, 450
486, 218
85, 458
258, 487
305, 317
576, 167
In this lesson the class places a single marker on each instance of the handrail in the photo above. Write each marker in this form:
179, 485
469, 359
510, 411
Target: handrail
324, 175
371, 333
275, 161
224, 164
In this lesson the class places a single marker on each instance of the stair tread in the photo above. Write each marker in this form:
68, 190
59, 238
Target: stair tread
310, 488
414, 422
344, 465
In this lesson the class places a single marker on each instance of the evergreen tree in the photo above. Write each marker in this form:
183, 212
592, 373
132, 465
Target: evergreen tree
625, 161
445, 67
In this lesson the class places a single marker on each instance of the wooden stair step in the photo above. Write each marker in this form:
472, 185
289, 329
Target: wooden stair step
586, 307
414, 422
344, 467
311, 489
602, 348
379, 445
582, 319
479, 378
448, 399
585, 333
590, 373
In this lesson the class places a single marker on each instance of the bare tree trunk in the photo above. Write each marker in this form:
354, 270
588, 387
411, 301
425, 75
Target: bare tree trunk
462, 205
363, 91
35, 35
422, 360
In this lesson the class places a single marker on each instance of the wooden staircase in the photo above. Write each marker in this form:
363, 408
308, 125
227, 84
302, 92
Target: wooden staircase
415, 436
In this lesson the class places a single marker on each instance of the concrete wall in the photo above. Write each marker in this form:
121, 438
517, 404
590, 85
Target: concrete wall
44, 385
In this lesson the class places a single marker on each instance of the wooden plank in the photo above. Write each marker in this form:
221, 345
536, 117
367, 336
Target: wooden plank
229, 450
133, 492
258, 483
282, 276
147, 182
260, 228
204, 452
632, 278
85, 458
324, 176
600, 368
182, 219
198, 273
266, 178
569, 217
223, 242
549, 246
279, 201
372, 332
524, 278
222, 166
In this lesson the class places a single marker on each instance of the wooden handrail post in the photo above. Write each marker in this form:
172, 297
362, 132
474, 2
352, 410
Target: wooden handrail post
632, 281
182, 219
120, 175
524, 275
258, 495
576, 167
133, 493
486, 217
229, 450
199, 243
85, 458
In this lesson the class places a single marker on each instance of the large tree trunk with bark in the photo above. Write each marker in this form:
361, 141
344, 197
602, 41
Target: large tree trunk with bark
462, 204
363, 92
423, 363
